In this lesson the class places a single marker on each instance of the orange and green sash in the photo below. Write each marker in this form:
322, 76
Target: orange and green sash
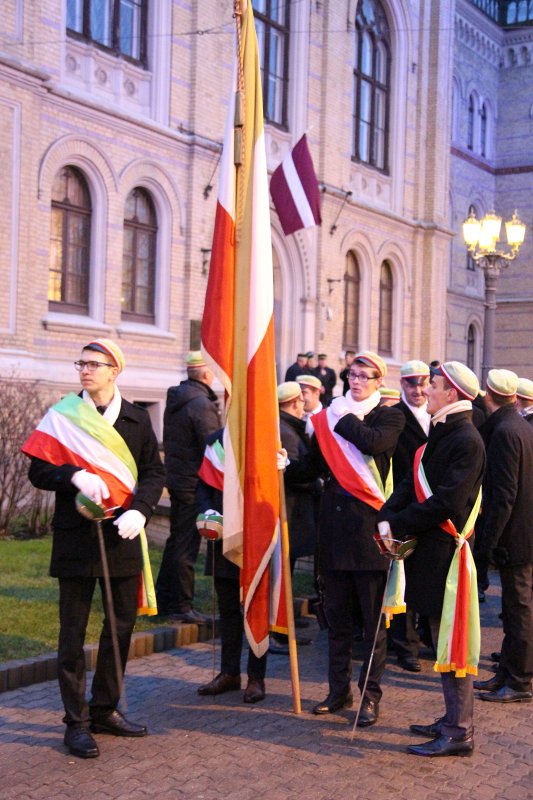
73, 432
459, 633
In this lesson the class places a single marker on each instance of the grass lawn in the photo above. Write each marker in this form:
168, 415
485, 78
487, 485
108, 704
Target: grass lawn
29, 598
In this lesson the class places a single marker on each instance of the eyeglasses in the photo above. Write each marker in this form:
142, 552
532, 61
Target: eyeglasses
361, 377
92, 366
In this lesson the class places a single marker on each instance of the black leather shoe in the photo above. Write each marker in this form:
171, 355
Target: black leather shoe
507, 695
222, 683
117, 725
444, 746
369, 714
80, 743
428, 730
332, 704
410, 663
490, 685
254, 692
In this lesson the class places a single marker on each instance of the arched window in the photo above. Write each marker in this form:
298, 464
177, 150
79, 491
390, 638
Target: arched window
139, 253
272, 26
471, 347
68, 279
483, 130
385, 310
352, 290
470, 263
371, 84
470, 130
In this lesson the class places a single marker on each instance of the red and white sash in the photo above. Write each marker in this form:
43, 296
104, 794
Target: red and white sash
354, 471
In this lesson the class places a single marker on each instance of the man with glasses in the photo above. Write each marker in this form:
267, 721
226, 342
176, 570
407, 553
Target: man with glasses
354, 440
414, 380
100, 445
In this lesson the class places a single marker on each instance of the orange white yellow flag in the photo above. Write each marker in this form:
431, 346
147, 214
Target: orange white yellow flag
238, 343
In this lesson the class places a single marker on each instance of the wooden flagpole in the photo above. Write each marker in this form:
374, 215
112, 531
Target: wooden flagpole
293, 656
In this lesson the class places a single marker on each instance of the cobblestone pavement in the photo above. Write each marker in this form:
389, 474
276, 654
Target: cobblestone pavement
203, 748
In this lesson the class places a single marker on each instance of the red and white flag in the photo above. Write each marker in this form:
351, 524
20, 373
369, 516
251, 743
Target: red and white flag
294, 190
238, 344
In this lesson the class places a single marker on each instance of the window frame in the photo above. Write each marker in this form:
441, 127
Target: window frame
386, 330
269, 25
152, 229
85, 35
68, 211
375, 87
351, 323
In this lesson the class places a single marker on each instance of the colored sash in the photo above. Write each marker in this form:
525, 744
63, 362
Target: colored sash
73, 432
459, 633
358, 474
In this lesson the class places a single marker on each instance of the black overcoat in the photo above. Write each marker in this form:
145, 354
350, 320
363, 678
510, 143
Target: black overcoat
301, 497
346, 524
505, 523
75, 550
191, 415
454, 462
411, 438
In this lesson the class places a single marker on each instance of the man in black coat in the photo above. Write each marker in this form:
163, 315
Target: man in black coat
209, 493
76, 556
453, 462
328, 379
300, 367
191, 415
507, 535
349, 356
349, 561
414, 379
524, 399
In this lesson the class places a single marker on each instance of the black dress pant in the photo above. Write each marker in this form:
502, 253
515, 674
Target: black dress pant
516, 660
231, 631
342, 590
175, 582
403, 635
75, 597
458, 720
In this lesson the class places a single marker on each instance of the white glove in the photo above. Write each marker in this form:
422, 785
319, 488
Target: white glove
385, 533
339, 407
281, 459
130, 524
212, 513
90, 485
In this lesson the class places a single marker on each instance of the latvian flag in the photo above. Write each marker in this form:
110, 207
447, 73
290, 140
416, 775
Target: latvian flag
294, 190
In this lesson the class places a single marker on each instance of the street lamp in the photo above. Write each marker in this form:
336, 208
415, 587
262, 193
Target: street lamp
481, 237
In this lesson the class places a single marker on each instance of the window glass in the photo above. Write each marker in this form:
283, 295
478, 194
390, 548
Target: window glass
371, 84
68, 277
385, 310
352, 286
272, 26
139, 254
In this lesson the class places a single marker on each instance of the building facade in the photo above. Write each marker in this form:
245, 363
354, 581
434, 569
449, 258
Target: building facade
112, 118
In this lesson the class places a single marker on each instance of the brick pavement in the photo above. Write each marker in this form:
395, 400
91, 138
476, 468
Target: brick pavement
205, 749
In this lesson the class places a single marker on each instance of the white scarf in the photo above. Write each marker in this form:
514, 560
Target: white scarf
451, 408
112, 411
308, 424
362, 407
420, 413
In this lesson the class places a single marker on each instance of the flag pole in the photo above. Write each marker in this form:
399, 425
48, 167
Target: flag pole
293, 656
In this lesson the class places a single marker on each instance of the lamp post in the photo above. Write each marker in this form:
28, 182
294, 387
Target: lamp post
481, 238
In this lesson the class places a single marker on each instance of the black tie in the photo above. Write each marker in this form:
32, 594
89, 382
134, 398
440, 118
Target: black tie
101, 409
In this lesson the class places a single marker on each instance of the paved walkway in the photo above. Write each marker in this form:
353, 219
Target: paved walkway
204, 749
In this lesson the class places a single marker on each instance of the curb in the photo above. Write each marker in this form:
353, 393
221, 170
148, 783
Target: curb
36, 669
